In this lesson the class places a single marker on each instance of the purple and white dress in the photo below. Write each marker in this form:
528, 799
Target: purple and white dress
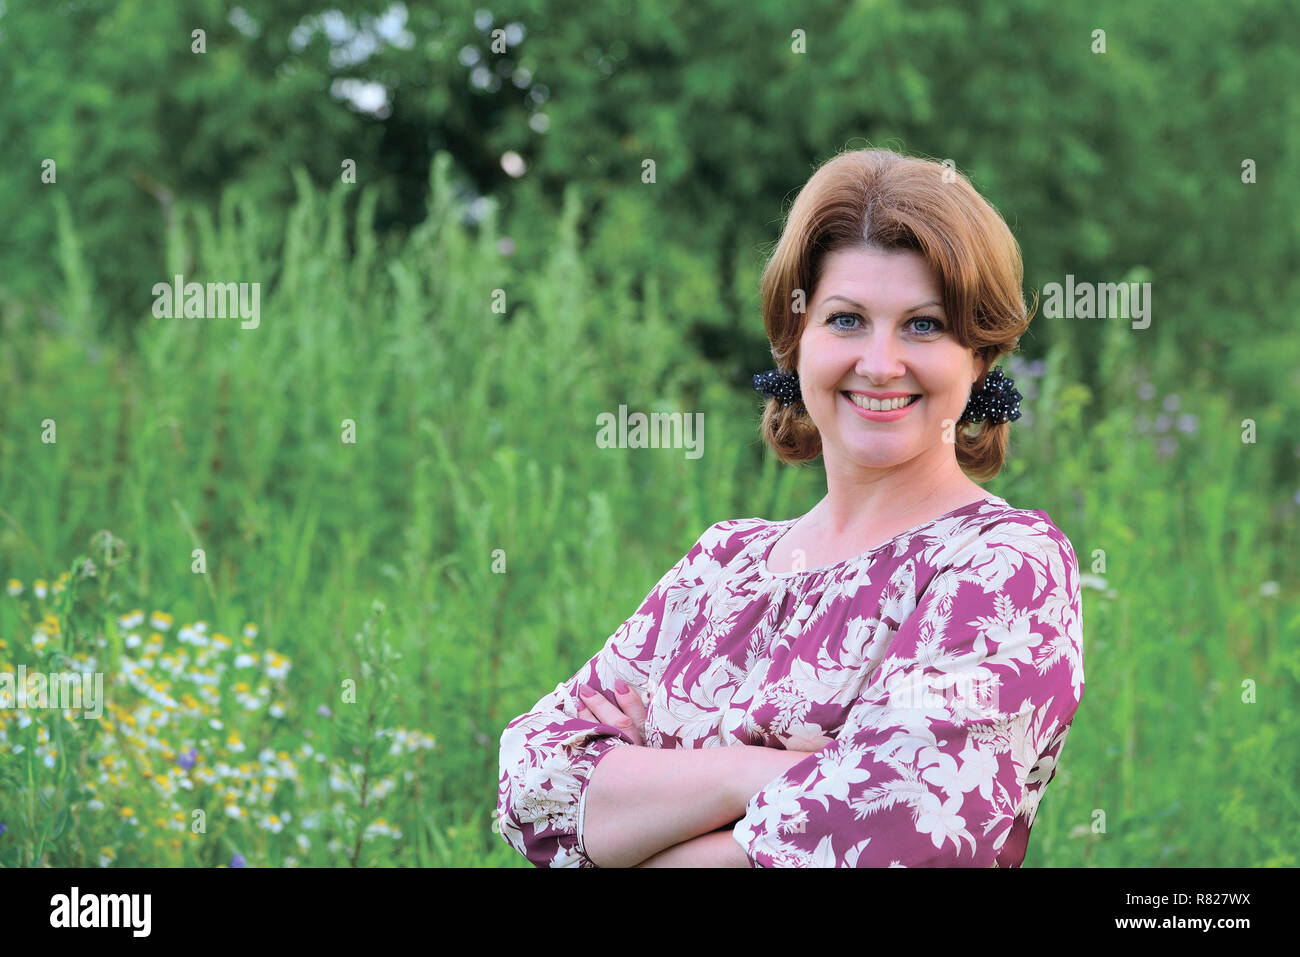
935, 677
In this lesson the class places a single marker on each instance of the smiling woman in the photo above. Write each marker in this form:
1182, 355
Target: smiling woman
887, 680
902, 263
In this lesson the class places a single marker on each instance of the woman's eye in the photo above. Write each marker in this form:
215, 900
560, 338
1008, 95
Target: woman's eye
935, 324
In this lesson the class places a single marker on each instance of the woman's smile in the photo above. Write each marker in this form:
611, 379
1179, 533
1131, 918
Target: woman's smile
877, 410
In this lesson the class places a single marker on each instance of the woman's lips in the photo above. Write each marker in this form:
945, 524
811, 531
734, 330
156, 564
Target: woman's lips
871, 416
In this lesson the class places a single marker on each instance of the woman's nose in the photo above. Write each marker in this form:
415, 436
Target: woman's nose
880, 359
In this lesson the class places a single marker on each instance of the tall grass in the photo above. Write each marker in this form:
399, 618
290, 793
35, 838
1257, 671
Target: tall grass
475, 432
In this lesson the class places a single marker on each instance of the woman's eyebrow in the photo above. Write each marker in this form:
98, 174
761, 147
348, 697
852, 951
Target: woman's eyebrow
854, 302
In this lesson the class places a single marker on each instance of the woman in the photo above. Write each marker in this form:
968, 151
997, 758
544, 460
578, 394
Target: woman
887, 680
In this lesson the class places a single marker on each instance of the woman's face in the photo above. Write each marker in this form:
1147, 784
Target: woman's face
892, 337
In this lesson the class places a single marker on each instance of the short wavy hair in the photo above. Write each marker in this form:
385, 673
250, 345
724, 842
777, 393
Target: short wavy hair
877, 198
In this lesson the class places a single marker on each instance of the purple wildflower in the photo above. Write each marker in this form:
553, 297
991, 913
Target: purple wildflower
188, 759
238, 861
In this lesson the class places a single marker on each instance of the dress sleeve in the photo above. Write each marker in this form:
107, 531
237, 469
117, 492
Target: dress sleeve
547, 755
957, 733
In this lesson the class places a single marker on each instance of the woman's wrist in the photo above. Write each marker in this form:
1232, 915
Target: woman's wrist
756, 767
715, 849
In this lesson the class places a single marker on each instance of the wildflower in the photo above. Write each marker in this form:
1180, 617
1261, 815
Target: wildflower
188, 759
381, 827
160, 620
250, 630
1269, 589
3, 827
323, 711
277, 710
245, 660
1187, 423
15, 586
38, 588
277, 665
129, 621
238, 861
1171, 403
1146, 391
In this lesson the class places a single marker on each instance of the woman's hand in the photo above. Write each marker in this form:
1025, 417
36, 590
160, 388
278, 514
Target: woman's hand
628, 715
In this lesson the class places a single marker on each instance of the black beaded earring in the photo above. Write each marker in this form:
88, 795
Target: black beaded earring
782, 386
997, 400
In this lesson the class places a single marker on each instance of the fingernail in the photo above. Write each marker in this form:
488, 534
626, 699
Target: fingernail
586, 692
620, 686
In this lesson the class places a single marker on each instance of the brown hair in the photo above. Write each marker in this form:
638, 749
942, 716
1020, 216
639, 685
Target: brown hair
879, 198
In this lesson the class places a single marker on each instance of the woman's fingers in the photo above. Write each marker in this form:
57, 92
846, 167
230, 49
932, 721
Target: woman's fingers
630, 702
609, 713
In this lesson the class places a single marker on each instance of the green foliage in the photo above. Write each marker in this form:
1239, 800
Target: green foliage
506, 543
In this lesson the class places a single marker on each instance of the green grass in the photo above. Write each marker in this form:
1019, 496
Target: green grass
475, 432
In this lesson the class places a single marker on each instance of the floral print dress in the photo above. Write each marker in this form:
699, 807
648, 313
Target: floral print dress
934, 677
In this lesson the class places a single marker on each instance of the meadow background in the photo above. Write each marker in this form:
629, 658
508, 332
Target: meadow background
496, 276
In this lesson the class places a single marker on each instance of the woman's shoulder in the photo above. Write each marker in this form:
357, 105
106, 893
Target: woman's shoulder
722, 541
998, 525
732, 533
1030, 524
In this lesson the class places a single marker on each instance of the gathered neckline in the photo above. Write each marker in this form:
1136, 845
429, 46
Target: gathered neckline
785, 525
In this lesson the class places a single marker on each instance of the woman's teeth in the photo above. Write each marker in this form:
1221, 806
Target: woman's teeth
880, 405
